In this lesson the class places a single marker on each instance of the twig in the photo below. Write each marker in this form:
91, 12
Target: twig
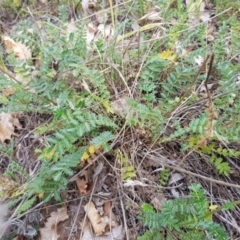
75, 219
163, 161
124, 219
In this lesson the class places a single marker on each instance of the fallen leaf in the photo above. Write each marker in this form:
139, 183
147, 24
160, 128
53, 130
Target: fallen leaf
93, 214
120, 106
107, 208
7, 124
84, 183
7, 186
102, 225
20, 51
157, 201
115, 233
51, 226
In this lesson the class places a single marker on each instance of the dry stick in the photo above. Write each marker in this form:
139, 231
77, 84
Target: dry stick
191, 173
124, 216
75, 218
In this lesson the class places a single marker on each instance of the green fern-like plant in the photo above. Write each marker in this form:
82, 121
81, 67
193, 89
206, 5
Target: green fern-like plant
65, 87
26, 205
216, 154
164, 175
185, 217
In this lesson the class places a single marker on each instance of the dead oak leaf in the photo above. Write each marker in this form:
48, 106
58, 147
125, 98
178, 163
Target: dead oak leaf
99, 226
20, 50
82, 186
51, 226
7, 124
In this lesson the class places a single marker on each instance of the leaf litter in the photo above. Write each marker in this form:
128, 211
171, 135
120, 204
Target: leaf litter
50, 230
8, 122
135, 191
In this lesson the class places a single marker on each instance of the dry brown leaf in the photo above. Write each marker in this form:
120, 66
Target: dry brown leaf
157, 201
102, 225
115, 233
7, 186
99, 226
84, 183
107, 208
120, 106
20, 51
51, 226
7, 124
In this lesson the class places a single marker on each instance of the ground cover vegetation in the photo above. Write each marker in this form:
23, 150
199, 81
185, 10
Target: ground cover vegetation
119, 119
